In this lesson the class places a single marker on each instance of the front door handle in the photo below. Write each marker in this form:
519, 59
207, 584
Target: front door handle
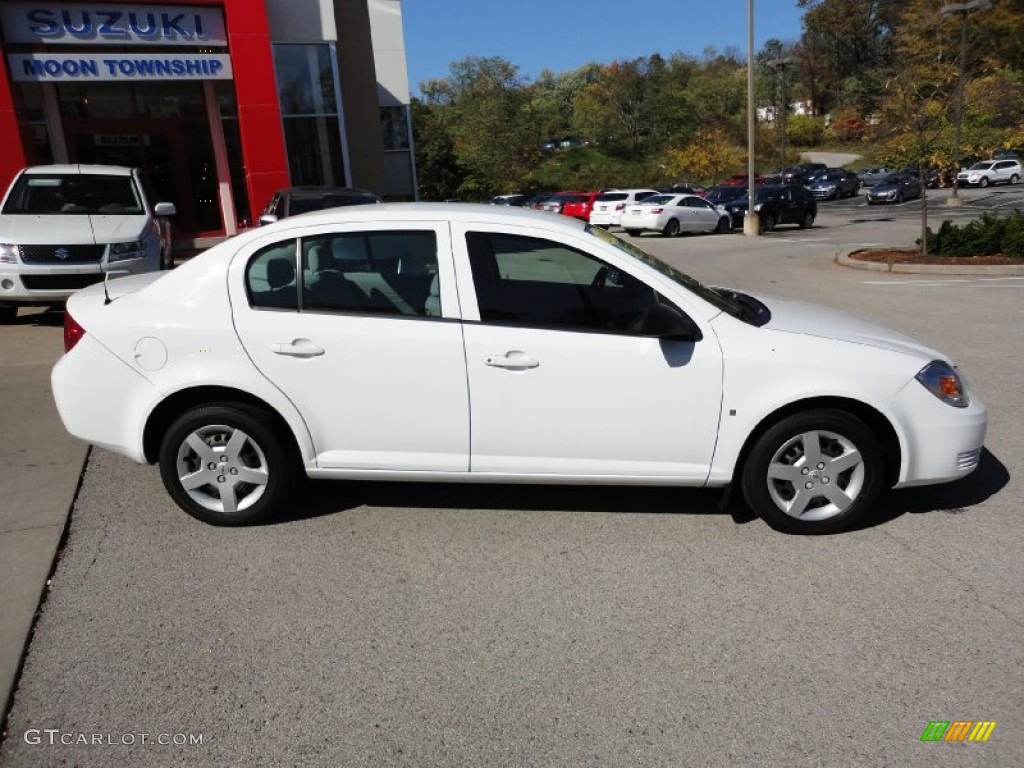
513, 361
297, 348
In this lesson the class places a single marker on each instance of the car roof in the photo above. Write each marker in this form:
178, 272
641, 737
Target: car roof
78, 168
313, 191
426, 212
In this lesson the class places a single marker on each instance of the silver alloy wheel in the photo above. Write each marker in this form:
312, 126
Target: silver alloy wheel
816, 475
222, 468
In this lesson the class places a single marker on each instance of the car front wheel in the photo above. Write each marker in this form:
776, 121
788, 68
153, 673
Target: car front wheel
815, 472
1014, 179
224, 465
724, 225
768, 222
984, 182
8, 314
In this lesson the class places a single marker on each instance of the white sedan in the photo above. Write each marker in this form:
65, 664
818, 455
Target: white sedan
463, 343
671, 214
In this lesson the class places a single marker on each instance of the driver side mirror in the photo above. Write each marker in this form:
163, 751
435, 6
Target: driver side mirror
665, 322
267, 218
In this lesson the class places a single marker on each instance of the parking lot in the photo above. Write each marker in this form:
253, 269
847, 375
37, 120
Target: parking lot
403, 624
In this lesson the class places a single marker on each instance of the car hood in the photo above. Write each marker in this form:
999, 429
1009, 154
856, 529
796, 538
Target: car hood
793, 316
71, 229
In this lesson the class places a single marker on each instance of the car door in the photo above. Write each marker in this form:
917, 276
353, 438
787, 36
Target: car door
559, 384
699, 215
357, 326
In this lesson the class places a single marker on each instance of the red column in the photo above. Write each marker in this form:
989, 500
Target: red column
259, 113
13, 157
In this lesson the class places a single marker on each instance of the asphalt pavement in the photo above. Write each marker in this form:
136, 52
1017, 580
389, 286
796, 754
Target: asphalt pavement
390, 624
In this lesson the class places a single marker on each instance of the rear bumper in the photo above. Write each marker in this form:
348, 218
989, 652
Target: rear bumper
101, 400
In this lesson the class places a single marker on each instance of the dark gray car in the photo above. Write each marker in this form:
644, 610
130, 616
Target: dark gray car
834, 184
292, 201
895, 188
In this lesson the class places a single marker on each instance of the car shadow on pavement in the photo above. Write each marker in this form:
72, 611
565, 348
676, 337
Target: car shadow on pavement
325, 497
954, 498
51, 318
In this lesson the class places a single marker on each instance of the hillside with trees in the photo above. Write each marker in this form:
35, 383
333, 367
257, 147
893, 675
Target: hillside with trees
880, 78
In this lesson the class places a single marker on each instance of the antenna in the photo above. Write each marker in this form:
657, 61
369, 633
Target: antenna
106, 277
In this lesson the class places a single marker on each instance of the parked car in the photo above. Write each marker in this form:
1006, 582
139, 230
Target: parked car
672, 214
535, 200
686, 188
610, 204
295, 200
64, 227
514, 200
798, 174
988, 172
871, 176
557, 201
834, 184
742, 180
579, 206
505, 320
777, 204
895, 188
721, 195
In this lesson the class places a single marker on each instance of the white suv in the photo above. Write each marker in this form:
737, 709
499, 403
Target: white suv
609, 205
63, 227
990, 172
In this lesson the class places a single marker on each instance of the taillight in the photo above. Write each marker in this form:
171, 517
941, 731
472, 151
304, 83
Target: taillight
73, 332
657, 210
620, 207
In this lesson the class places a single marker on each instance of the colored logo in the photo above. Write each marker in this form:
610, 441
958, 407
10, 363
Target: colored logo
958, 730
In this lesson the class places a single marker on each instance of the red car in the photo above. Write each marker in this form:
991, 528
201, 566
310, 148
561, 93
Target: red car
740, 180
579, 204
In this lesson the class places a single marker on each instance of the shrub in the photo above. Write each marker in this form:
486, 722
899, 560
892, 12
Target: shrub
985, 236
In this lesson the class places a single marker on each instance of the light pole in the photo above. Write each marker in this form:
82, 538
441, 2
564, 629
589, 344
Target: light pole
778, 66
751, 221
954, 200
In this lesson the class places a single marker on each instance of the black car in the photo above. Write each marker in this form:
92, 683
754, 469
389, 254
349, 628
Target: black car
292, 201
798, 174
834, 184
777, 204
721, 195
895, 188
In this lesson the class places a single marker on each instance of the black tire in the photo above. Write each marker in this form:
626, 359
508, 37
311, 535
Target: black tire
984, 182
633, 232
768, 222
166, 260
724, 225
260, 449
1014, 179
899, 198
807, 220
835, 500
671, 229
8, 314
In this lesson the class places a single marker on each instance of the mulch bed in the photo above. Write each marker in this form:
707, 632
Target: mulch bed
905, 256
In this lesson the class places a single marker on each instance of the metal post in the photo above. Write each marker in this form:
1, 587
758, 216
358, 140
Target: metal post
751, 222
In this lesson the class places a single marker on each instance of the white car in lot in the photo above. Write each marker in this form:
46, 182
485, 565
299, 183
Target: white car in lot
990, 172
63, 227
610, 204
467, 343
671, 214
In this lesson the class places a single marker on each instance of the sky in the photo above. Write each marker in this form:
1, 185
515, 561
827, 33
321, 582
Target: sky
562, 35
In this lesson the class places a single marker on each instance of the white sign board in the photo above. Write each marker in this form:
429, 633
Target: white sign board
87, 24
79, 67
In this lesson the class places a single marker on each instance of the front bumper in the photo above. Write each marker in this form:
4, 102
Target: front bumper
940, 443
29, 284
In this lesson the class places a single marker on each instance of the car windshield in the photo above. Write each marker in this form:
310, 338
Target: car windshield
981, 166
724, 194
658, 199
74, 194
723, 300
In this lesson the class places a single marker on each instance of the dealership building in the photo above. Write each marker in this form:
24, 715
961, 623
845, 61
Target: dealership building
221, 102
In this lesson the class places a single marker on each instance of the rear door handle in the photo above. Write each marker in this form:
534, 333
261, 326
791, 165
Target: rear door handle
513, 361
297, 348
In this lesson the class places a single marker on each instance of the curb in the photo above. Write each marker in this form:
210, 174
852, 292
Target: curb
994, 270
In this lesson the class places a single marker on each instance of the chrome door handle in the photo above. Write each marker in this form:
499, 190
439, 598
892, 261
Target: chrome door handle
513, 361
297, 348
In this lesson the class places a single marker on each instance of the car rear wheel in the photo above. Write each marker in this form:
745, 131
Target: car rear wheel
984, 182
633, 232
8, 314
671, 229
223, 464
815, 472
807, 220
768, 222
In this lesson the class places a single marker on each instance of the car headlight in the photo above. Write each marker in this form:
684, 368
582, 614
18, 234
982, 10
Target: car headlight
757, 207
943, 381
8, 253
136, 249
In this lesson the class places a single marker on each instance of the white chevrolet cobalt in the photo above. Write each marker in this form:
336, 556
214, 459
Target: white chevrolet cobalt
460, 343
